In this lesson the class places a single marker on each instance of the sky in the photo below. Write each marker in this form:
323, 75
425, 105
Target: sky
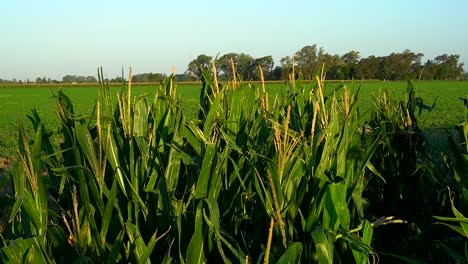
53, 38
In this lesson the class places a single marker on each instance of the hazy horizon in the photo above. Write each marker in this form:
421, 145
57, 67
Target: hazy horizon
54, 39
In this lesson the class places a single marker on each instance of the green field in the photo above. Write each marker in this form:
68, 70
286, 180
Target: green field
18, 101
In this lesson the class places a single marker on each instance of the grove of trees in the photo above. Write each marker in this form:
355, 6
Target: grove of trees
309, 59
78, 79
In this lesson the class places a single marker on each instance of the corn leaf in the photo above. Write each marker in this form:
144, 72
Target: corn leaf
195, 247
361, 256
292, 254
30, 250
137, 240
205, 172
323, 246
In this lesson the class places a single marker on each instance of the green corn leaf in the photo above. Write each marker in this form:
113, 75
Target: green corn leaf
83, 190
113, 156
179, 210
34, 197
140, 117
195, 247
276, 178
462, 219
336, 210
136, 198
234, 112
19, 181
452, 219
457, 229
359, 256
459, 218
292, 254
220, 169
214, 223
30, 250
453, 254
86, 144
215, 116
143, 150
174, 160
136, 240
234, 249
194, 137
293, 178
152, 181
323, 246
36, 216
236, 173
372, 168
108, 212
114, 252
205, 172
96, 191
316, 208
150, 246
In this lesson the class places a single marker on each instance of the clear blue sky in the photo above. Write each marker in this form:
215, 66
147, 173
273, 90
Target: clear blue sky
54, 38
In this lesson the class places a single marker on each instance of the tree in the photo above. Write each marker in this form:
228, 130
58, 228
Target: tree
185, 77
428, 71
117, 79
349, 67
351, 57
41, 80
333, 66
286, 67
307, 60
69, 79
276, 74
148, 77
81, 79
244, 64
414, 59
266, 63
369, 68
91, 79
391, 67
224, 64
201, 62
447, 67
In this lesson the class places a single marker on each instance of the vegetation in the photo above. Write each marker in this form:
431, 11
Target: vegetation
303, 176
306, 61
20, 99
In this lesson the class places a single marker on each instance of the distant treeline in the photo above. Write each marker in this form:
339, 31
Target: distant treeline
305, 62
308, 60
145, 77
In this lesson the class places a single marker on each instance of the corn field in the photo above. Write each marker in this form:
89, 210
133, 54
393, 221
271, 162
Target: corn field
303, 177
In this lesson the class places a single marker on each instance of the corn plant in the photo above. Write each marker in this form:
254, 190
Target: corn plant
411, 188
255, 179
101, 181
459, 223
283, 180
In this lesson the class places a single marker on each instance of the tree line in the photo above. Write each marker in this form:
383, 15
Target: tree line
305, 62
309, 59
144, 77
